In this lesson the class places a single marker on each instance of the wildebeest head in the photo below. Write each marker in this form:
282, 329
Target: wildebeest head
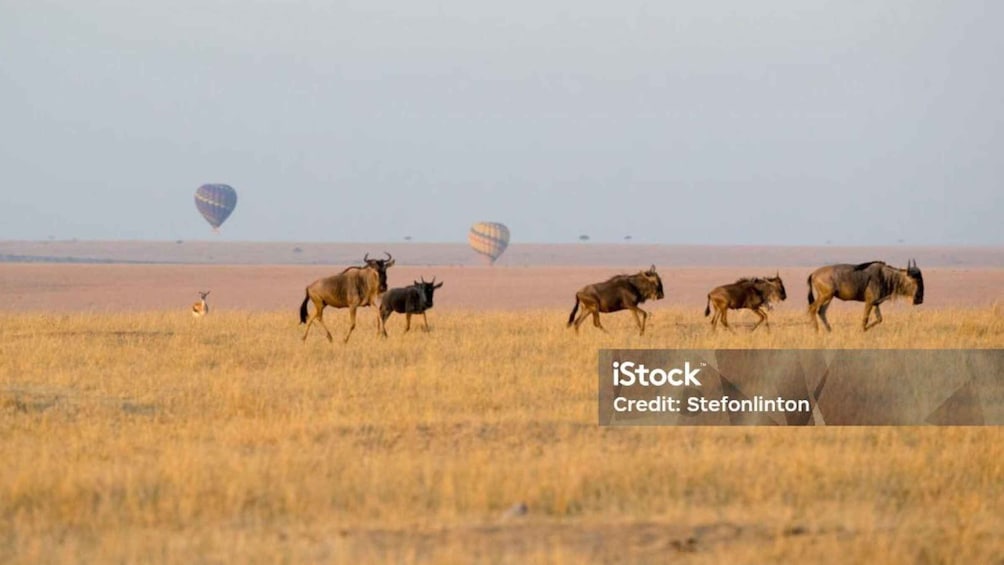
654, 282
380, 266
779, 285
917, 280
427, 289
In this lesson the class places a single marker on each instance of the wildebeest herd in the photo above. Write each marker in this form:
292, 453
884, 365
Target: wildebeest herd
364, 285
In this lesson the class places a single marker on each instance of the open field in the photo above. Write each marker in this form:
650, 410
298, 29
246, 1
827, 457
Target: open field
115, 288
150, 436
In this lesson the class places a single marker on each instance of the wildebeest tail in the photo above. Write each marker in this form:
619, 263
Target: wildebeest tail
303, 309
811, 298
571, 317
707, 309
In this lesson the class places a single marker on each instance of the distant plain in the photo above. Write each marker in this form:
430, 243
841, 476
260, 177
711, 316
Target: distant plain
133, 432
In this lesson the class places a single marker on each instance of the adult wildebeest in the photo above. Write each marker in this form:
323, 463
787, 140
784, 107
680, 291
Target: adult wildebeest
352, 288
618, 293
414, 299
749, 293
872, 283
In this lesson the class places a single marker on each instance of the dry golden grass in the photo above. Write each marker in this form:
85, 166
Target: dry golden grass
156, 437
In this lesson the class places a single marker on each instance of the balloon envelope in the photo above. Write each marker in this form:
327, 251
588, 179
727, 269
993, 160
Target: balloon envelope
215, 202
489, 239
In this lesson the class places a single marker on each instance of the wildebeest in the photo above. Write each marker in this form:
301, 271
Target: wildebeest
620, 292
414, 299
749, 293
872, 283
352, 288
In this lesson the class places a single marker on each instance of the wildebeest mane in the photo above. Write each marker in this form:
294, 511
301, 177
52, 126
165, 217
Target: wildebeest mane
620, 276
864, 266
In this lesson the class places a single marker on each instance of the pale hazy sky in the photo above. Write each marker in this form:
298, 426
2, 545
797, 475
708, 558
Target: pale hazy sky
677, 122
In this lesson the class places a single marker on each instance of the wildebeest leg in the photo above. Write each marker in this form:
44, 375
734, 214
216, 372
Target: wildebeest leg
868, 313
425, 321
352, 323
714, 319
822, 315
818, 307
407, 322
725, 319
586, 310
763, 318
384, 314
640, 320
319, 316
596, 320
878, 317
637, 320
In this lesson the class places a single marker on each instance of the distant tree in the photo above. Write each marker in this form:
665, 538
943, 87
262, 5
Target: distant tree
583, 237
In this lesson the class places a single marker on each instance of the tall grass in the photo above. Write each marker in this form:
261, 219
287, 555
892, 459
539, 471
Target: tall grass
156, 437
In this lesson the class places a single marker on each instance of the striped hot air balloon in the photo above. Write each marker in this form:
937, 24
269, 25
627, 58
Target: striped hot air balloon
489, 239
215, 202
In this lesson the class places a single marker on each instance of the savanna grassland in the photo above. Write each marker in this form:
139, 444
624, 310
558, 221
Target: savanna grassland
154, 437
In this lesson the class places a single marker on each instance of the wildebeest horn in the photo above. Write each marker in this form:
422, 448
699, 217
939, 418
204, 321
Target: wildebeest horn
388, 256
366, 258
422, 278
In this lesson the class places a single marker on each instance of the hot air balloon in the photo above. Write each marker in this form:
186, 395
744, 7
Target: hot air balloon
489, 239
215, 202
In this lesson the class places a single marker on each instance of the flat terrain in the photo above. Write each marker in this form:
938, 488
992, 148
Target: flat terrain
110, 288
132, 432
153, 437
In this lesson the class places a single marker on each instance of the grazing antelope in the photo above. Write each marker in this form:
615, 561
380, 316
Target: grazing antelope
621, 292
751, 294
872, 283
414, 299
352, 288
201, 308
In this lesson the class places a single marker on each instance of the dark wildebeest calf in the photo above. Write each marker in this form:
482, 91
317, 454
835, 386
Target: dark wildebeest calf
618, 293
352, 288
751, 294
414, 299
872, 283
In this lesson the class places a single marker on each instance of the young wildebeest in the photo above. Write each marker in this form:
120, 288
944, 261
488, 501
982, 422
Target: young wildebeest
618, 293
200, 308
352, 288
752, 294
414, 299
872, 283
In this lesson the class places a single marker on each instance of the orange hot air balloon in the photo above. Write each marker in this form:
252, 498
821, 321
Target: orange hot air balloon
489, 239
